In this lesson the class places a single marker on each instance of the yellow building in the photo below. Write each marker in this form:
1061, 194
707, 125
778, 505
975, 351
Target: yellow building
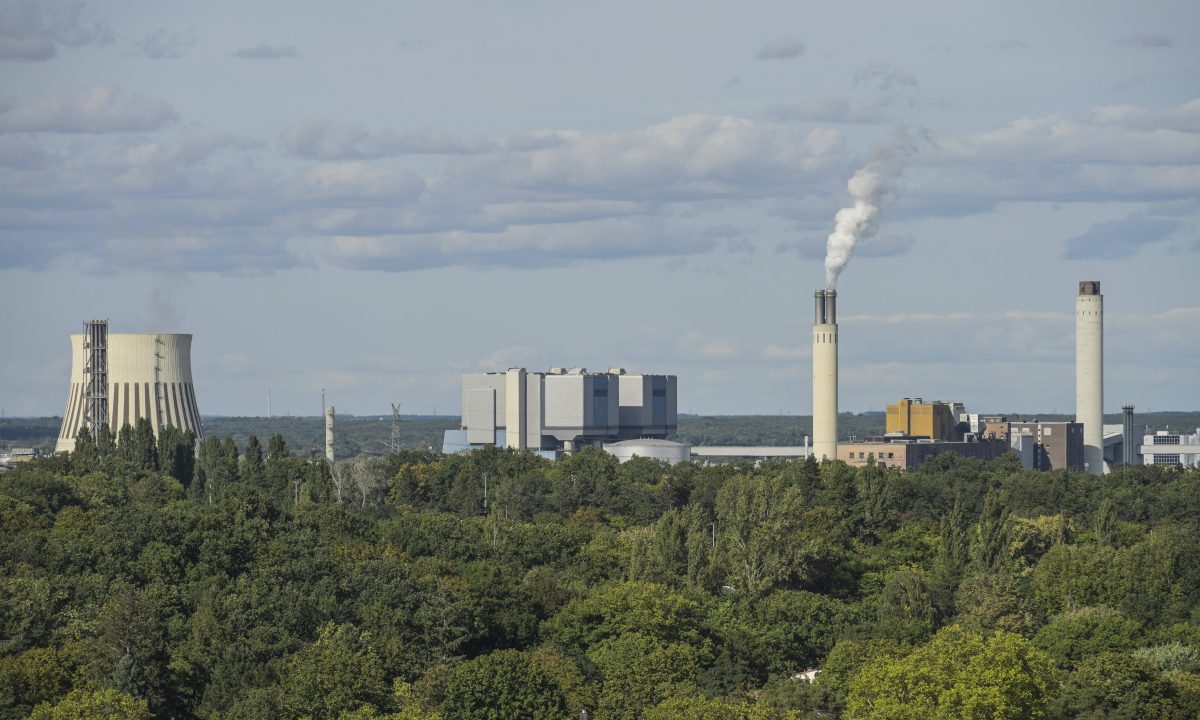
917, 418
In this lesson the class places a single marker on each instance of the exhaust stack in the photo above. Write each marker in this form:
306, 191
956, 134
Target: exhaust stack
1089, 372
825, 375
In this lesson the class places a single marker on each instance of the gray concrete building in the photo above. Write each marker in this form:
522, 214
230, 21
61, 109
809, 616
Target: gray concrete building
562, 409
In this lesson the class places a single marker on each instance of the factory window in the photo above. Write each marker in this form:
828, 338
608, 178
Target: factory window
1049, 431
891, 455
860, 455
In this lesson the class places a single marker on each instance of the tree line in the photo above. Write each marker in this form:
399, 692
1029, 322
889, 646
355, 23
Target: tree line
155, 577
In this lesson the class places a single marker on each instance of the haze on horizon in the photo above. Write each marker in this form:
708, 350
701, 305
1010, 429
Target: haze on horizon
376, 199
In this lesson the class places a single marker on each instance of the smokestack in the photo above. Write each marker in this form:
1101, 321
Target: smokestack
1129, 450
1089, 372
329, 433
825, 375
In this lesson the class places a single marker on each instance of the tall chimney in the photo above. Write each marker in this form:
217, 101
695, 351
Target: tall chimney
825, 375
1129, 450
1089, 372
329, 433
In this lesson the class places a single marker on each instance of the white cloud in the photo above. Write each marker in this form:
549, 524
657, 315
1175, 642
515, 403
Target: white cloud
164, 43
97, 109
263, 51
827, 108
326, 140
1148, 40
785, 47
522, 246
33, 30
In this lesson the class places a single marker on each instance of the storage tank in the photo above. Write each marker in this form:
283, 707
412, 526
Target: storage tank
652, 448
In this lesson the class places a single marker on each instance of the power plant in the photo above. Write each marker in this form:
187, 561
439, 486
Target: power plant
1089, 373
825, 375
117, 379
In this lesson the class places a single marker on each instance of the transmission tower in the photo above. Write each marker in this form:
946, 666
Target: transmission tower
394, 443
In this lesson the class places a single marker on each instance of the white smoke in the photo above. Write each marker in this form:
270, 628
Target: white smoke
860, 221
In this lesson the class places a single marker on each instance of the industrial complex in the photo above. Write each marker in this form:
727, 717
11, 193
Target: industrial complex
562, 409
119, 379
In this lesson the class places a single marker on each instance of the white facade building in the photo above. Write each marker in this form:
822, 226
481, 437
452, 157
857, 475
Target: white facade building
1171, 448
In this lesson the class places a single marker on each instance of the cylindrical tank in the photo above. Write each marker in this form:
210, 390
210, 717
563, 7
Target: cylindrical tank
1089, 372
149, 376
652, 448
825, 375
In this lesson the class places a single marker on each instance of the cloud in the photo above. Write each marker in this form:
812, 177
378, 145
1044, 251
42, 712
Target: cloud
1184, 118
1147, 40
326, 140
884, 77
518, 246
697, 344
230, 256
263, 51
21, 153
33, 30
690, 156
778, 352
1116, 239
164, 43
97, 109
784, 47
1009, 44
828, 108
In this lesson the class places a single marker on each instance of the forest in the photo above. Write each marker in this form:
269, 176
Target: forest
153, 577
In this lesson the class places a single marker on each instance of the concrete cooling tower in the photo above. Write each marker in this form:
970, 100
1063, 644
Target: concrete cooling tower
143, 375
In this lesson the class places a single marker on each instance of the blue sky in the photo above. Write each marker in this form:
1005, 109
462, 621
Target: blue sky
376, 197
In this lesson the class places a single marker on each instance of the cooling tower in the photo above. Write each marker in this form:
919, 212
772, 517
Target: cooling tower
825, 375
1089, 372
149, 375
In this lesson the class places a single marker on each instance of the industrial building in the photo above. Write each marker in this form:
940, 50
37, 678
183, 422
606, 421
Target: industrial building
1172, 449
117, 379
561, 409
1040, 445
916, 418
908, 453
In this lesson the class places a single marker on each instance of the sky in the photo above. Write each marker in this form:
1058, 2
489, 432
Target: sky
375, 197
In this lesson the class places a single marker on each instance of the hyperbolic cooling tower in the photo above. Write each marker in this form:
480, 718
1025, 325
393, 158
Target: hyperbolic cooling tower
149, 376
825, 375
1089, 372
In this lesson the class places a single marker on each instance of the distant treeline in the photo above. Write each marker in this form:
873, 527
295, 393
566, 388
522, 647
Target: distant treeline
371, 435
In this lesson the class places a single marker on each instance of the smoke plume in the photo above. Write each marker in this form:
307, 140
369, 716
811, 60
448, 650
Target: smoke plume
860, 220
